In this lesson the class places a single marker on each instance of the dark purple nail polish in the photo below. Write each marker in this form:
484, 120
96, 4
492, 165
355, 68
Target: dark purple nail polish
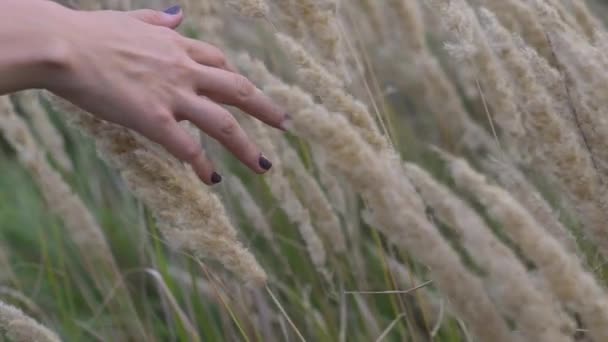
173, 10
265, 163
216, 178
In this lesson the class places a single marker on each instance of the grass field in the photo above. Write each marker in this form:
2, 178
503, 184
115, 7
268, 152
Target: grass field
443, 178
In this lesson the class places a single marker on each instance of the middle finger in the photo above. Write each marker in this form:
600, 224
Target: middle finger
236, 90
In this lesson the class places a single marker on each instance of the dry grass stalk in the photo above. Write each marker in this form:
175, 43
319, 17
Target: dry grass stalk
552, 15
80, 224
520, 188
470, 47
205, 17
319, 19
48, 134
319, 81
430, 303
369, 316
551, 78
412, 21
250, 208
552, 142
282, 190
18, 327
312, 197
334, 189
7, 275
190, 216
564, 275
250, 8
394, 206
518, 16
585, 83
589, 24
505, 277
287, 19
454, 122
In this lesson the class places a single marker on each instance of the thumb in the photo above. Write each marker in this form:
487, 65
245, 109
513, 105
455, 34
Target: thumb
171, 17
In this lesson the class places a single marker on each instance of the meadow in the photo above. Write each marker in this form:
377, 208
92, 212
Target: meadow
443, 177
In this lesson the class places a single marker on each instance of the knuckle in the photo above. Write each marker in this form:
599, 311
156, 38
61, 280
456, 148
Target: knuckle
244, 88
162, 119
182, 64
228, 125
217, 58
190, 151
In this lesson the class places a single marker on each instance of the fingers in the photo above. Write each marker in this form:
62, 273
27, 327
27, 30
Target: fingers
170, 18
218, 123
207, 54
236, 90
184, 147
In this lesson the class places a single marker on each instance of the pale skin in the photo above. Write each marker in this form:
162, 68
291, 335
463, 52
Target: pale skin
134, 69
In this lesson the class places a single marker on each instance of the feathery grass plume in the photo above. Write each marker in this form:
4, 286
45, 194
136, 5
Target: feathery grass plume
411, 21
250, 8
505, 277
286, 18
79, 221
562, 271
312, 197
336, 194
18, 327
390, 200
586, 80
470, 47
15, 296
373, 13
454, 122
588, 23
553, 144
319, 81
281, 189
395, 207
552, 16
564, 13
48, 134
320, 19
250, 208
550, 77
518, 16
258, 71
80, 224
188, 214
525, 192
204, 16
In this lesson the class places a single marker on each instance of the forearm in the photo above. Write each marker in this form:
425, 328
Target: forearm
32, 44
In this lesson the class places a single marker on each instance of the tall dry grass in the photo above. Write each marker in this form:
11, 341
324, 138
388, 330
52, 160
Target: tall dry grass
361, 193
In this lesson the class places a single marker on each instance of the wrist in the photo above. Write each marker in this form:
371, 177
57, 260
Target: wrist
34, 37
56, 53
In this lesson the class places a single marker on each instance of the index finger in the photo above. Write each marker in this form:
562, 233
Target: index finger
236, 90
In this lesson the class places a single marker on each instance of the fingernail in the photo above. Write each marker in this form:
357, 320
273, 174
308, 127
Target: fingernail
265, 163
286, 124
173, 10
216, 178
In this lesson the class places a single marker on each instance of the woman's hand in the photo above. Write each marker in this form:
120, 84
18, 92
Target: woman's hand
133, 69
